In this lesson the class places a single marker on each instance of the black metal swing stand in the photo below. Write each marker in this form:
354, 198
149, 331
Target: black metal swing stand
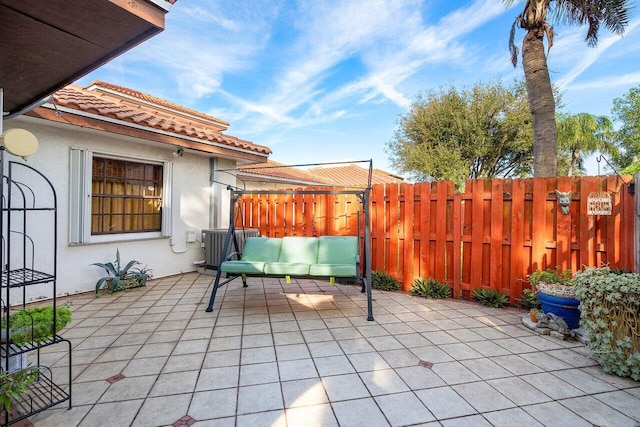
363, 195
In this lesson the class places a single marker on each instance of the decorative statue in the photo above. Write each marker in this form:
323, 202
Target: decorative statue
564, 200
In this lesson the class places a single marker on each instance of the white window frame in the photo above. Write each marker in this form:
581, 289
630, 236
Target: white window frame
81, 161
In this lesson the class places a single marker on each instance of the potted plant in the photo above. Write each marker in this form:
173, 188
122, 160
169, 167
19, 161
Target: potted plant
35, 324
554, 288
610, 305
122, 278
13, 385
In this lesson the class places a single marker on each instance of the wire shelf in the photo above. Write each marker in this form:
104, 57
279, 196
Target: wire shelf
41, 394
24, 276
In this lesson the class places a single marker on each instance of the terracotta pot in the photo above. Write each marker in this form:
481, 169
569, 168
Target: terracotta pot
534, 316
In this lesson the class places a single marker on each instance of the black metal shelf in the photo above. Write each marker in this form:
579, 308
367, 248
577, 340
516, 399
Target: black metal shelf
25, 277
41, 394
14, 350
28, 257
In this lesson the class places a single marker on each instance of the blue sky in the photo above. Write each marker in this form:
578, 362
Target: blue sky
321, 81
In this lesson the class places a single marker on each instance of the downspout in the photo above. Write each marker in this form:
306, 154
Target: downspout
214, 193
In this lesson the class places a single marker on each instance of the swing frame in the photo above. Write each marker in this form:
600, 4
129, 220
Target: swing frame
364, 197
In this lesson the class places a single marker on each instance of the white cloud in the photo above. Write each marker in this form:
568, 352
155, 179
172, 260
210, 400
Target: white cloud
591, 55
629, 79
390, 41
203, 42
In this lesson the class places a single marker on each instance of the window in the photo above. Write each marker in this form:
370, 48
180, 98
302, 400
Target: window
118, 198
126, 196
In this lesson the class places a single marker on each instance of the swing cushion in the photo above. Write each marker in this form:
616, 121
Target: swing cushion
257, 252
328, 256
337, 256
296, 255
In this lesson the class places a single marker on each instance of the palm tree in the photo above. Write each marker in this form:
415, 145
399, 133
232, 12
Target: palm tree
613, 14
582, 134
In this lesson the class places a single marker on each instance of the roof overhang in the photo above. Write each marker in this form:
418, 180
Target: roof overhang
47, 45
70, 117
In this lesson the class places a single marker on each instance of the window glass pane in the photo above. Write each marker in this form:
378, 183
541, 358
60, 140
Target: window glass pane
98, 168
135, 170
114, 169
96, 224
134, 188
153, 221
126, 196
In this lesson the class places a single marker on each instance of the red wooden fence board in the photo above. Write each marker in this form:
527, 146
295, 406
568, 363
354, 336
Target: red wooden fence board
440, 230
424, 225
517, 237
409, 271
477, 233
497, 206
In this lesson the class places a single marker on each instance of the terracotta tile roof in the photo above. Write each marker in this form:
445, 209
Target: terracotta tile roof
115, 102
271, 171
354, 176
101, 86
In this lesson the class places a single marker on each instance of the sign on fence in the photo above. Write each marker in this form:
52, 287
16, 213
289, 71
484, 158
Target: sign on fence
599, 203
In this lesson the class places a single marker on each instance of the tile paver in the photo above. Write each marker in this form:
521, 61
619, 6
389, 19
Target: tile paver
315, 416
483, 397
360, 412
445, 403
597, 412
553, 414
395, 408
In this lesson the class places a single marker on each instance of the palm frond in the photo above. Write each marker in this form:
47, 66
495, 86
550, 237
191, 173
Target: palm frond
548, 29
613, 14
513, 49
616, 15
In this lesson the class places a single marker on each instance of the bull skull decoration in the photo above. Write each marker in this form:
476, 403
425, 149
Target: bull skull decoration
564, 200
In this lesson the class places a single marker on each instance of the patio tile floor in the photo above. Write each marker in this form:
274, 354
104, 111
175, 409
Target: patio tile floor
304, 354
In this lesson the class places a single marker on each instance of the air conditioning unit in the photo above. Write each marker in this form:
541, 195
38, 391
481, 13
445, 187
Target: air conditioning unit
213, 241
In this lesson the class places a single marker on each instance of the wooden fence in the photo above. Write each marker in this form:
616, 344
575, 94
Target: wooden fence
491, 235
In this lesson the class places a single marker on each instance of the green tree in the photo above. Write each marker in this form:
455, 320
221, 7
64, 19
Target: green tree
613, 14
626, 111
482, 132
582, 134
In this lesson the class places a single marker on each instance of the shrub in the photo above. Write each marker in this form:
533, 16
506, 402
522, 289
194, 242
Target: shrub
610, 307
490, 297
384, 281
430, 288
551, 276
529, 299
35, 324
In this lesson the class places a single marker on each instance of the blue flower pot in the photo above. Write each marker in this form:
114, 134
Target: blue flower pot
566, 308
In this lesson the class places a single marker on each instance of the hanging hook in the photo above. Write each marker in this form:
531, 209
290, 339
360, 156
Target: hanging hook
631, 186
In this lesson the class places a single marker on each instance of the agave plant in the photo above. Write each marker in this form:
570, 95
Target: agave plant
118, 275
490, 297
430, 288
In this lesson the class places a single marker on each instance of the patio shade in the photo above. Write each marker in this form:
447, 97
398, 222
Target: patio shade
47, 45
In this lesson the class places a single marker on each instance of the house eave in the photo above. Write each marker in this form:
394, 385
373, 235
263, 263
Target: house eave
76, 118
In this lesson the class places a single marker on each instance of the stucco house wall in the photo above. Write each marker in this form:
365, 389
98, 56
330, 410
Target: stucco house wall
191, 210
